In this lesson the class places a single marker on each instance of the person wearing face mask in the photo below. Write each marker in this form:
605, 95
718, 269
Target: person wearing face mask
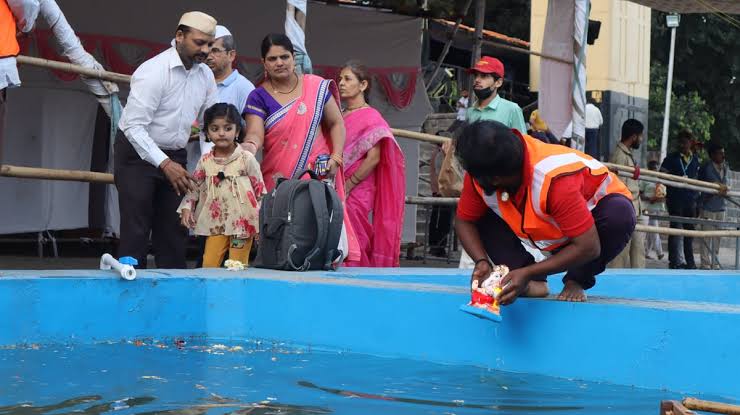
633, 255
488, 78
555, 199
168, 92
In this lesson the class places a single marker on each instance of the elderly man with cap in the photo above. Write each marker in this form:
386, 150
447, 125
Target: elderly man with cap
168, 92
233, 88
488, 77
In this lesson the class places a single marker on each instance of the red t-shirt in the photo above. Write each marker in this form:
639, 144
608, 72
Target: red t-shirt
566, 202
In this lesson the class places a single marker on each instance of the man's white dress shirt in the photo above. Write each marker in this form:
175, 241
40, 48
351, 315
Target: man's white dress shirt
164, 101
593, 117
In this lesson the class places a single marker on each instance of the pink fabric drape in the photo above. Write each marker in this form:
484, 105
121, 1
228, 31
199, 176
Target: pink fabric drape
295, 137
375, 206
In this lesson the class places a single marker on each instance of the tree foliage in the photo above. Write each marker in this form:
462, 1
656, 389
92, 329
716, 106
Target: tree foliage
707, 66
689, 111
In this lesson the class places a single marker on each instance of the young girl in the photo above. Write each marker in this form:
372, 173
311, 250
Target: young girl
225, 206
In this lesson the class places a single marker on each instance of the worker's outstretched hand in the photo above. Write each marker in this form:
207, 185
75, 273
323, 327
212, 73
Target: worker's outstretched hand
481, 271
513, 285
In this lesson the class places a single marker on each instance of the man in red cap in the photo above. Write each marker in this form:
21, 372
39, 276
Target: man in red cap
489, 76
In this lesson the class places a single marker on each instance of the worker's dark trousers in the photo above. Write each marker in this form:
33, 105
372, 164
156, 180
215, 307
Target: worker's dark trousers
148, 204
615, 220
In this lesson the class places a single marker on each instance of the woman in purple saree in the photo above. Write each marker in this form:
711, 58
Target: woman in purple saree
375, 177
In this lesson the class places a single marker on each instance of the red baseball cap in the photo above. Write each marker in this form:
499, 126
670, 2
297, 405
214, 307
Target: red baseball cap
487, 64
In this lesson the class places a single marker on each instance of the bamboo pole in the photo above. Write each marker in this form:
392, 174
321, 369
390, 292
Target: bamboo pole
55, 174
526, 52
434, 139
431, 201
686, 232
72, 68
668, 179
661, 175
709, 406
671, 183
452, 201
107, 178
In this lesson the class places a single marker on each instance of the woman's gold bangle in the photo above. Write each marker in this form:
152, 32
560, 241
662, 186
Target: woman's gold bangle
338, 159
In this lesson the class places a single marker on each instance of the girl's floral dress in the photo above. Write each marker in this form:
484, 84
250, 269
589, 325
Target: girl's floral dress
228, 196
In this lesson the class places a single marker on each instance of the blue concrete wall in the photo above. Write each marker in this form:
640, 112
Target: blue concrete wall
679, 332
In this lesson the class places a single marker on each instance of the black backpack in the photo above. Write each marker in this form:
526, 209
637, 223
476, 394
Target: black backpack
300, 225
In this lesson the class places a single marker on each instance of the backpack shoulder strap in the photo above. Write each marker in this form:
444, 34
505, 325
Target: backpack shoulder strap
318, 200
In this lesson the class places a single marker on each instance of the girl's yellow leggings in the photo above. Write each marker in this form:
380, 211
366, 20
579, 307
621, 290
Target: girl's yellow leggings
218, 245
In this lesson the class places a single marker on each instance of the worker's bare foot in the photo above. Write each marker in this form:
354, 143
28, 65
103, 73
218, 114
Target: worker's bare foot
536, 289
572, 292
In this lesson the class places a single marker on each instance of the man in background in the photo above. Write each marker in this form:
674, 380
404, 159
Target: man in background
682, 202
712, 206
633, 255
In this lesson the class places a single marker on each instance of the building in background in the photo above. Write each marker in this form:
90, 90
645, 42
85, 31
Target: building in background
617, 65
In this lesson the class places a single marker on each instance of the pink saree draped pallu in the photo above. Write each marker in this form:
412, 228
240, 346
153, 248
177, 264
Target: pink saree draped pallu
294, 138
376, 205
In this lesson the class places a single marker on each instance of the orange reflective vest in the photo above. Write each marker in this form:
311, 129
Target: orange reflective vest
8, 42
533, 225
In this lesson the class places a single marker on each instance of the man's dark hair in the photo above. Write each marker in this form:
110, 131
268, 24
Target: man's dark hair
714, 147
184, 29
653, 164
227, 111
490, 149
684, 135
631, 127
229, 42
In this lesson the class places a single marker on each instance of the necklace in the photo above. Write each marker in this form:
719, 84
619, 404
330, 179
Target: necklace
349, 109
285, 93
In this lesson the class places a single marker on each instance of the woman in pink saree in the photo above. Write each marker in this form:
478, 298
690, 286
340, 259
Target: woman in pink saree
375, 177
295, 119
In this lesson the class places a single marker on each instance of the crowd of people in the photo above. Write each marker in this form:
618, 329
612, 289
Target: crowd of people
189, 137
530, 202
193, 128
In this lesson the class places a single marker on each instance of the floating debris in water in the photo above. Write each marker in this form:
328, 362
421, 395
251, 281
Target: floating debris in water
201, 387
120, 404
149, 377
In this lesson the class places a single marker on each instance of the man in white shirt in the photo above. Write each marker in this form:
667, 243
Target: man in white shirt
593, 123
233, 88
462, 111
168, 92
